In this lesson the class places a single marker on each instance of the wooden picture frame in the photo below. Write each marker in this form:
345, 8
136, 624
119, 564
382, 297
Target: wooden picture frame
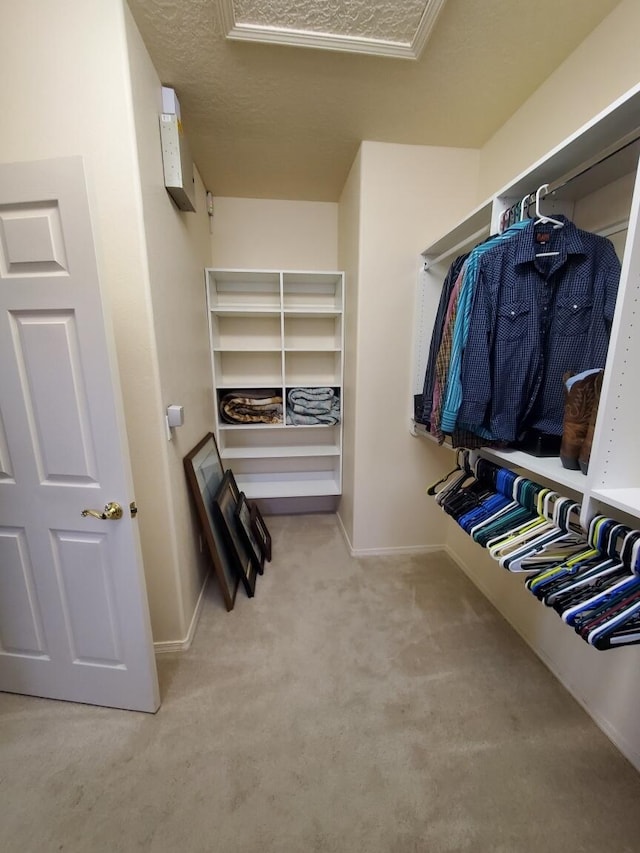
261, 532
243, 521
225, 504
205, 473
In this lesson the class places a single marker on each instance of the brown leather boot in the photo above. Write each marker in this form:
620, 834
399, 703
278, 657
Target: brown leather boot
585, 450
579, 401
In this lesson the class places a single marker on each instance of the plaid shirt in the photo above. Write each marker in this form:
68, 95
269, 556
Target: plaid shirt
442, 362
533, 318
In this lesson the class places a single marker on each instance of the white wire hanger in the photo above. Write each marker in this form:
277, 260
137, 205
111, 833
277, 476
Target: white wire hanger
542, 218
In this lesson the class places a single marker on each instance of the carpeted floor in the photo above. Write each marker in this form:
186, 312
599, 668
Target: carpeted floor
377, 705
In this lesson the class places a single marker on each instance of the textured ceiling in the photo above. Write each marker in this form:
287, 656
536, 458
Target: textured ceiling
268, 121
392, 20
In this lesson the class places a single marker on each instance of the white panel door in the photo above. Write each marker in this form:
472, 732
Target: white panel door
74, 621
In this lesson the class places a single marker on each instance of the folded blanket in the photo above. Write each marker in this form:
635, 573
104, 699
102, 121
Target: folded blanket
310, 394
309, 406
310, 420
251, 407
306, 403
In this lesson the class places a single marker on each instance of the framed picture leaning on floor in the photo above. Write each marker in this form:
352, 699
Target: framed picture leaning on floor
260, 532
225, 505
246, 530
205, 475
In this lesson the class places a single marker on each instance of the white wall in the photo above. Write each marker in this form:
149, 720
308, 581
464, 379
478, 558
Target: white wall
256, 233
408, 195
178, 248
607, 684
601, 69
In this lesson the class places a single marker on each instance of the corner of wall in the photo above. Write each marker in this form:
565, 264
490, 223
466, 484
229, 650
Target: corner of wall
349, 242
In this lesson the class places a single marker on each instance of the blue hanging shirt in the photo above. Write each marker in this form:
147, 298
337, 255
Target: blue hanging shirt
533, 319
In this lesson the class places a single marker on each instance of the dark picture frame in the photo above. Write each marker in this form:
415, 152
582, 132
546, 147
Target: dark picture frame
205, 473
225, 504
243, 521
261, 532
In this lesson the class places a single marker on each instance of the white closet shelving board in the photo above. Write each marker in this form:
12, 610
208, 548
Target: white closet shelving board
285, 451
614, 475
545, 467
279, 330
282, 487
627, 500
255, 290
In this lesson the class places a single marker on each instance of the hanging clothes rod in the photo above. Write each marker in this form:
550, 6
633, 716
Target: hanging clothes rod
452, 250
614, 228
596, 160
610, 151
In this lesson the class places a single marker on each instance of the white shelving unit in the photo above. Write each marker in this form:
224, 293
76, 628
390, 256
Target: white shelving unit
584, 164
278, 330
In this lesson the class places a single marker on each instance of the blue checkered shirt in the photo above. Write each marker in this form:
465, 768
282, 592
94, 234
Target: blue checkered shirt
533, 318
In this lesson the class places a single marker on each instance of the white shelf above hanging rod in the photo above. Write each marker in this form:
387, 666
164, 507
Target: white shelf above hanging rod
463, 244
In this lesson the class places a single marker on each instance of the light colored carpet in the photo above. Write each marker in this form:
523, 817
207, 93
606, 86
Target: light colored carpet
376, 705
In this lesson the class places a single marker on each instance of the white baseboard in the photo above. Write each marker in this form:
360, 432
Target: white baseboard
404, 550
166, 646
386, 552
616, 737
345, 535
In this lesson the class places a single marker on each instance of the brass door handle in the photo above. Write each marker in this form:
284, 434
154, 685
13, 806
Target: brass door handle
112, 512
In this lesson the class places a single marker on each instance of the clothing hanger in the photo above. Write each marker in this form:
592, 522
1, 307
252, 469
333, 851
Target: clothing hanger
615, 607
511, 516
567, 560
612, 593
554, 545
614, 631
543, 219
592, 576
550, 529
462, 466
478, 530
518, 537
511, 535
432, 490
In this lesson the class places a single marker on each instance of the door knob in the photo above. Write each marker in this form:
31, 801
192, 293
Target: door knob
112, 512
